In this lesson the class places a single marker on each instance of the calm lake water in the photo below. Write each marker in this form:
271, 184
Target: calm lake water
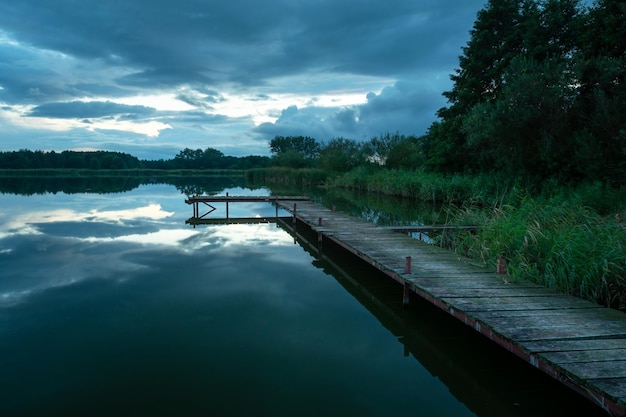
111, 305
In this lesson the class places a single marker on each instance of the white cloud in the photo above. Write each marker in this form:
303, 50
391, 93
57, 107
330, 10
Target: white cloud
161, 101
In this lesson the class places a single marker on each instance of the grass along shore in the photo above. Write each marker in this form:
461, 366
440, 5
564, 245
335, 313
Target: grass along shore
569, 238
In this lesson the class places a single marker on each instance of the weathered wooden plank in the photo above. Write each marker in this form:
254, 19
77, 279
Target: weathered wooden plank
615, 387
442, 277
475, 305
574, 345
583, 313
545, 324
429, 228
595, 355
490, 292
596, 370
382, 243
434, 285
438, 268
555, 330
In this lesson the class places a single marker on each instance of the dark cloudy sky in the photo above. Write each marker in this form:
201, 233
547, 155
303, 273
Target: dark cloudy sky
151, 77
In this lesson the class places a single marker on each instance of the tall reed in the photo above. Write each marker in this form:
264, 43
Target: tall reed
419, 185
555, 242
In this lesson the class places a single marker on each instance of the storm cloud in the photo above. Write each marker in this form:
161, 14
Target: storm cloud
350, 68
87, 110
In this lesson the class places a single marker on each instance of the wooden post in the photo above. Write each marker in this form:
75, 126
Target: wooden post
294, 213
406, 295
407, 265
501, 265
319, 221
319, 240
227, 205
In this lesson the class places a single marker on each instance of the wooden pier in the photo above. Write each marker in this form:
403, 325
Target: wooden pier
577, 342
201, 217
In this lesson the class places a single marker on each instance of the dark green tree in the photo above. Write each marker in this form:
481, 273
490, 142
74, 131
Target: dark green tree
110, 161
304, 145
74, 160
294, 151
188, 158
292, 159
496, 39
601, 121
526, 132
377, 149
511, 105
340, 155
407, 153
212, 159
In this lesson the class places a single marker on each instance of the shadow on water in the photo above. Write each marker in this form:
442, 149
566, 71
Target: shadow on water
115, 184
483, 376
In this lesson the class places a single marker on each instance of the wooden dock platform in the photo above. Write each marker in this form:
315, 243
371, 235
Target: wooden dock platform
242, 198
200, 218
577, 342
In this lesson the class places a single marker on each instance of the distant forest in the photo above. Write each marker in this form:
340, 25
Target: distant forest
185, 159
540, 93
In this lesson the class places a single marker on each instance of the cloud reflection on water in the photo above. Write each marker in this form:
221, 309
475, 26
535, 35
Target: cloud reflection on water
45, 249
23, 222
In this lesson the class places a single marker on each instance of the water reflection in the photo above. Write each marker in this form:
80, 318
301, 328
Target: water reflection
112, 306
36, 220
95, 184
44, 249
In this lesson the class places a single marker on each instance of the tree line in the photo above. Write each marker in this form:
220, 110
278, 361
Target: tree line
393, 151
337, 155
27, 159
185, 159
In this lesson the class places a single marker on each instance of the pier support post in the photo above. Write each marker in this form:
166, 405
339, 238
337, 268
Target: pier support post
406, 291
407, 265
319, 240
227, 205
294, 214
319, 221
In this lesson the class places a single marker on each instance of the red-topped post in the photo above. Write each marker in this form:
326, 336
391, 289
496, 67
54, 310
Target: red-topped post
501, 266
